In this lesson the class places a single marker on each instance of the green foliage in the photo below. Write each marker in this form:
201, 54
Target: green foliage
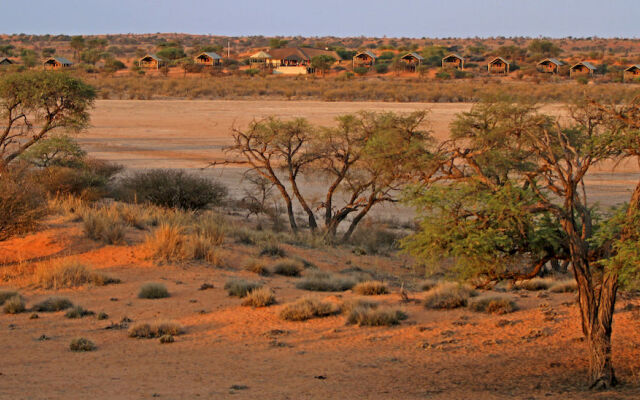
381, 68
433, 55
361, 70
60, 150
171, 53
544, 48
276, 43
322, 62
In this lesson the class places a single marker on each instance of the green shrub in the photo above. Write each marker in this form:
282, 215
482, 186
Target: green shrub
22, 203
492, 304
307, 308
368, 316
82, 345
155, 330
370, 288
361, 70
78, 312
321, 281
172, 189
448, 295
260, 297
14, 305
53, 304
381, 68
89, 180
287, 268
240, 287
153, 291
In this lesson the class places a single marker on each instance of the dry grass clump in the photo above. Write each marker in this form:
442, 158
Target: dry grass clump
257, 267
164, 339
212, 227
287, 268
272, 250
170, 242
427, 284
373, 316
53, 304
240, 287
260, 297
493, 304
448, 295
14, 305
535, 284
352, 304
322, 281
564, 286
6, 295
69, 273
78, 312
81, 345
370, 288
153, 290
167, 243
104, 225
155, 330
307, 308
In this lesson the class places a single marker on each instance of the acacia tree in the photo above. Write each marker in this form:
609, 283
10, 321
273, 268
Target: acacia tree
34, 104
322, 63
362, 159
507, 195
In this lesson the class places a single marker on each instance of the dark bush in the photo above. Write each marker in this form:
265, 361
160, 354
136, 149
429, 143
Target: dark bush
22, 203
171, 188
88, 180
381, 68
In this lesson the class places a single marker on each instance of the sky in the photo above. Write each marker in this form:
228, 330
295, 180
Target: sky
391, 18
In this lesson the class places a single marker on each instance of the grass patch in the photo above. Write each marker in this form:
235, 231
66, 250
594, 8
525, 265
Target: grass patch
535, 284
6, 295
492, 304
164, 339
260, 297
307, 308
427, 284
82, 345
69, 273
78, 312
104, 225
287, 268
272, 250
373, 316
322, 281
155, 330
564, 286
239, 287
53, 304
14, 305
448, 295
351, 304
167, 243
257, 267
153, 291
370, 288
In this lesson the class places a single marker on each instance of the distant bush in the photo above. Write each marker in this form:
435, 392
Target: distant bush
287, 268
155, 330
564, 286
307, 308
260, 297
240, 287
153, 291
322, 281
82, 345
78, 312
367, 316
381, 68
88, 180
374, 239
172, 189
14, 305
22, 203
6, 295
272, 250
492, 304
535, 284
427, 284
361, 70
448, 295
370, 288
53, 304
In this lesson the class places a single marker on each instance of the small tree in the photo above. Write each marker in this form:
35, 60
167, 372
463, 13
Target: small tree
34, 104
77, 44
322, 63
507, 195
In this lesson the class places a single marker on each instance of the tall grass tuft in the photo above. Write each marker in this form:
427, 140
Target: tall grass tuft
69, 273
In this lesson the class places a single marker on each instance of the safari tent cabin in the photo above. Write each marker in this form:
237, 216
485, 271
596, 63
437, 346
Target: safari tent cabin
453, 61
55, 63
550, 66
412, 60
582, 68
498, 66
364, 59
632, 73
151, 61
290, 60
6, 61
208, 58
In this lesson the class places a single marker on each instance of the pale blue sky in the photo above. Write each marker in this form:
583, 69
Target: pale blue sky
398, 18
